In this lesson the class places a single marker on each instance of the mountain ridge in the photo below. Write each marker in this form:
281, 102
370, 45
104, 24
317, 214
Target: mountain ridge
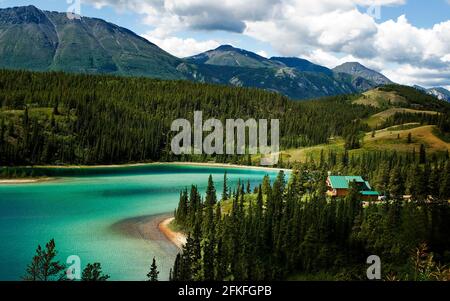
439, 92
48, 41
38, 40
358, 70
227, 55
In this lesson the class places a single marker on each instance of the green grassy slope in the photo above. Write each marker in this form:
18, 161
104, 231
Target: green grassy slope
389, 101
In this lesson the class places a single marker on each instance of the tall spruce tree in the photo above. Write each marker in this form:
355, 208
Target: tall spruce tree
225, 195
153, 274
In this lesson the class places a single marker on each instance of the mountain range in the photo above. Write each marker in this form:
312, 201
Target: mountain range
438, 92
38, 40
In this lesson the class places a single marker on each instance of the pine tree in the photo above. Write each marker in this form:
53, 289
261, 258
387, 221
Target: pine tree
296, 233
225, 195
422, 155
181, 214
395, 187
211, 197
259, 205
309, 249
44, 266
153, 274
433, 183
266, 185
409, 140
93, 272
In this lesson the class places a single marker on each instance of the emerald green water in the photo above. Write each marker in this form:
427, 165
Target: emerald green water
80, 209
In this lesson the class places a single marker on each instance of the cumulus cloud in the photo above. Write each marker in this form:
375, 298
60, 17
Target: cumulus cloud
328, 32
401, 42
410, 74
182, 47
227, 15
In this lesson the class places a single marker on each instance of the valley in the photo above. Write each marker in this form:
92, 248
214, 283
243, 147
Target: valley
92, 116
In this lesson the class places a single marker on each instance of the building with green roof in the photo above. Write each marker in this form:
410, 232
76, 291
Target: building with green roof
339, 186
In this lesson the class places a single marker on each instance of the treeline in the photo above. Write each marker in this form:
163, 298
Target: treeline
56, 118
417, 99
442, 121
291, 230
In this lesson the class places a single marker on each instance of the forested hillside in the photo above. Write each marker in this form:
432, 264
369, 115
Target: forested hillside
290, 230
56, 118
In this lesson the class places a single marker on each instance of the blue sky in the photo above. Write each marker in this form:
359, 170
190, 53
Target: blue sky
408, 41
421, 13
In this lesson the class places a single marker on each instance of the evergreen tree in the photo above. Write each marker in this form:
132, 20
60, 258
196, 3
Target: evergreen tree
211, 197
93, 272
292, 233
409, 140
266, 185
181, 213
422, 155
396, 187
44, 266
153, 274
225, 187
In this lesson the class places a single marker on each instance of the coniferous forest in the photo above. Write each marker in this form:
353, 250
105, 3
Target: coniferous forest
56, 118
285, 229
291, 230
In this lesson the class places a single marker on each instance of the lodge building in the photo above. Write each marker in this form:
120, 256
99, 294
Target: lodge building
339, 186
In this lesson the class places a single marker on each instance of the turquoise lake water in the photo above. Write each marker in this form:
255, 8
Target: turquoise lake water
80, 208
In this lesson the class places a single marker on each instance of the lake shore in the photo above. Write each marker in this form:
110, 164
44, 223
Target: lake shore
25, 181
177, 238
198, 164
154, 228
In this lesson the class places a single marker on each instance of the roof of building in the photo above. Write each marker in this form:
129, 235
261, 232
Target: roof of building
343, 182
370, 193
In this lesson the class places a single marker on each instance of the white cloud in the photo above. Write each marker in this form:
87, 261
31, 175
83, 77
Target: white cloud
183, 47
327, 59
328, 32
399, 41
231, 15
410, 75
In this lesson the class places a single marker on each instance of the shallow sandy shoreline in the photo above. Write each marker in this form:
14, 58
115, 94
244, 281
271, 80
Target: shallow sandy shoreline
205, 164
154, 228
25, 181
177, 238
224, 165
